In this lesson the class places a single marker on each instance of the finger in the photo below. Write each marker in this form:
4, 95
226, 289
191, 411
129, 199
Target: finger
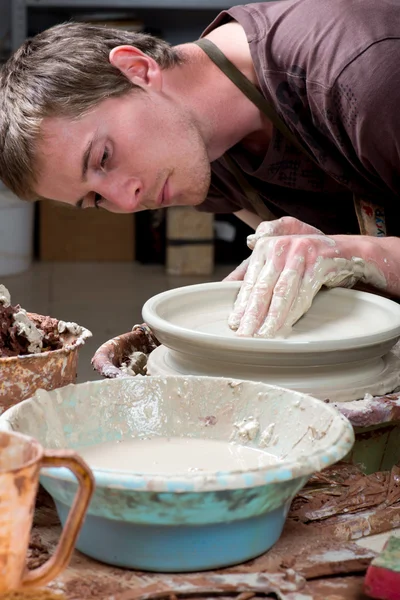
259, 300
256, 262
265, 229
285, 293
308, 290
330, 273
238, 273
280, 227
251, 241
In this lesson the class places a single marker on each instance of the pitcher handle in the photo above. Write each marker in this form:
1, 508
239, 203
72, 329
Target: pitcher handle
60, 559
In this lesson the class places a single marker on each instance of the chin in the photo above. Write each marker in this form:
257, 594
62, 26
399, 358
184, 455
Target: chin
195, 200
199, 201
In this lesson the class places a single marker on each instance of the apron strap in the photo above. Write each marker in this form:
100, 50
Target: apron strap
370, 216
249, 90
251, 194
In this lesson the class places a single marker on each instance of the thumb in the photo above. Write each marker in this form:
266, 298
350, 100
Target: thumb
239, 273
251, 240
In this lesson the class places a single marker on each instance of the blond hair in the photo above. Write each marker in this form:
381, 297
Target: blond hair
64, 71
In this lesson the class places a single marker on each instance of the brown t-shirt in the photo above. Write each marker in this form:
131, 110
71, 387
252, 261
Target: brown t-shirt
331, 70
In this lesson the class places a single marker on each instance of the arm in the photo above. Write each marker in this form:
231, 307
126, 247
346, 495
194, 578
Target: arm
382, 255
251, 219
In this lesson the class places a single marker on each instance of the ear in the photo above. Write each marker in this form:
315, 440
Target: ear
138, 67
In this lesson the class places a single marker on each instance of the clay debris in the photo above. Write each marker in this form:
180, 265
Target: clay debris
23, 333
38, 553
126, 354
343, 489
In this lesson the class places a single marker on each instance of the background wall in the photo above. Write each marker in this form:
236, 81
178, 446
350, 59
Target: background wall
4, 25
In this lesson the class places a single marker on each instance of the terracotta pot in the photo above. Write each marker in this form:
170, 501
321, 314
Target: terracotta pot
21, 376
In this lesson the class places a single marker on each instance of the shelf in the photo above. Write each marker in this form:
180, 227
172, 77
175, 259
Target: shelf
132, 4
20, 9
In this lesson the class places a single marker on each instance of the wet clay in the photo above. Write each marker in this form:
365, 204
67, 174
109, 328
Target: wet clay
175, 455
331, 317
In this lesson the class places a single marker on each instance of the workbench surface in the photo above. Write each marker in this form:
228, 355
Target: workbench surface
316, 558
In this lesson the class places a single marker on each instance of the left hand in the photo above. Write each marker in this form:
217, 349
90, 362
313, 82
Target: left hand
285, 273
278, 227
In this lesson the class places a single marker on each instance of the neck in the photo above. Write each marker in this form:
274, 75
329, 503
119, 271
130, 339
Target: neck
222, 113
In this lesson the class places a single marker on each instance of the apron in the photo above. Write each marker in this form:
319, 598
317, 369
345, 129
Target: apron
370, 216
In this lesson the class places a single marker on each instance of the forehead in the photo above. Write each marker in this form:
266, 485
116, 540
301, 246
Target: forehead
59, 134
59, 155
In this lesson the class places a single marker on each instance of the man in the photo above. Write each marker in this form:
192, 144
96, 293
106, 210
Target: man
96, 117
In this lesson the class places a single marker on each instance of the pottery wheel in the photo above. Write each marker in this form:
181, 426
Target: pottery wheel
338, 385
341, 349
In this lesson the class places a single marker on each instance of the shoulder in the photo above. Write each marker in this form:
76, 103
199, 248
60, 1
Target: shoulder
231, 39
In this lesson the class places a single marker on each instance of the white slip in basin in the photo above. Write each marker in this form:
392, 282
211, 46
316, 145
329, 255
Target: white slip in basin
187, 520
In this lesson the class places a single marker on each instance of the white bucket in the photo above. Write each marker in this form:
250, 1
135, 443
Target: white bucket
16, 233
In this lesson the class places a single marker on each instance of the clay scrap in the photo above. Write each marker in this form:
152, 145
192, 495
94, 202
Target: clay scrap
23, 333
127, 354
343, 489
371, 410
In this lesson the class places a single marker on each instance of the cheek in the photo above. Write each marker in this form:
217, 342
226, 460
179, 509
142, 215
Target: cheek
169, 135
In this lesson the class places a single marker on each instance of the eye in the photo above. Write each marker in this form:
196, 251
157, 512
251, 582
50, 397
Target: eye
104, 158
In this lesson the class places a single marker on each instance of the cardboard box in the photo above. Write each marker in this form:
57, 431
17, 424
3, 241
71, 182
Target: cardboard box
190, 242
69, 234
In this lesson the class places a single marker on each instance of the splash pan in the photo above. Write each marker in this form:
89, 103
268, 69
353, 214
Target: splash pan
184, 521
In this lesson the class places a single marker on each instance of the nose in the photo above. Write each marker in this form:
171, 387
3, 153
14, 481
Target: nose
122, 196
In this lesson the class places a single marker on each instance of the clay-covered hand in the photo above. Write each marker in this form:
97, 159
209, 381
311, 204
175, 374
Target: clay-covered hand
285, 273
279, 227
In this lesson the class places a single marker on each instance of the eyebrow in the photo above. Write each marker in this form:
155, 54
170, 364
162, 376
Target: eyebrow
85, 160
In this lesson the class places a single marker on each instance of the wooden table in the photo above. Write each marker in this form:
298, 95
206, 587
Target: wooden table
317, 557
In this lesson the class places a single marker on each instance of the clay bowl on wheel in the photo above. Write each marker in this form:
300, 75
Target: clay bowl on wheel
339, 350
184, 520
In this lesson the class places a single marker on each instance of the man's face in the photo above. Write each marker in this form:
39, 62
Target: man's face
135, 152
